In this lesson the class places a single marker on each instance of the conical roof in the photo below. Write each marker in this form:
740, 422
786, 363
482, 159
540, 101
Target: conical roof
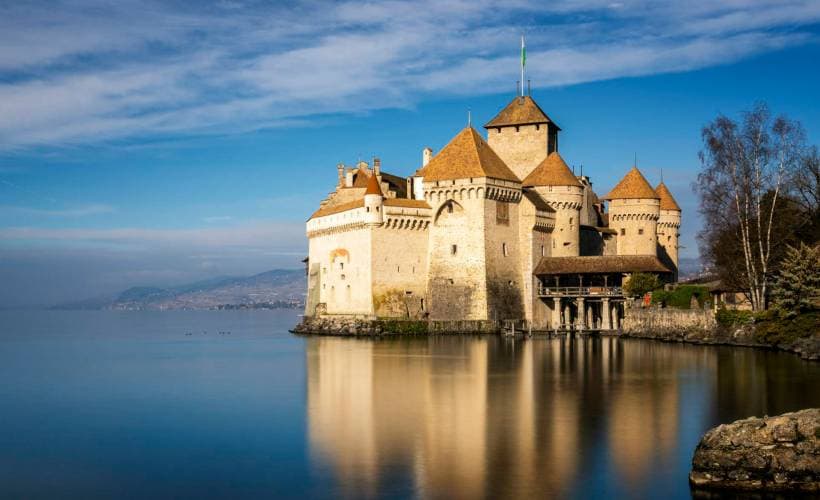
466, 155
373, 186
633, 185
553, 171
361, 176
523, 110
667, 200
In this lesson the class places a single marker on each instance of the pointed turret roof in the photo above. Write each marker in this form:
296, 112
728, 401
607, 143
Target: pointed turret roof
466, 155
523, 110
553, 171
633, 185
373, 186
667, 200
361, 176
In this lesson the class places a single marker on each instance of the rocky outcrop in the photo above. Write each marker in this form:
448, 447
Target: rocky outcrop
779, 454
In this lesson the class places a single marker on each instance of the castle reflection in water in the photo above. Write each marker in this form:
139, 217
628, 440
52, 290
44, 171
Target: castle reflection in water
488, 416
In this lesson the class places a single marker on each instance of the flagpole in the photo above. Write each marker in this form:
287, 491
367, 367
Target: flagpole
523, 59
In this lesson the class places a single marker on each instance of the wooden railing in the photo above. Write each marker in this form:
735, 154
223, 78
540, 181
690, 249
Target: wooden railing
580, 291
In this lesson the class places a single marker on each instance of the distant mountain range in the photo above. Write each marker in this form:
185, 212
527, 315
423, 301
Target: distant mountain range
280, 288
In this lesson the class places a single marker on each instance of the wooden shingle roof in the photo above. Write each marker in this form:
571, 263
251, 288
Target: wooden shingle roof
405, 202
338, 208
600, 264
633, 185
553, 171
667, 200
523, 110
466, 155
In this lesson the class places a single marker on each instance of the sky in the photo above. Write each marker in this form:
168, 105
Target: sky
148, 143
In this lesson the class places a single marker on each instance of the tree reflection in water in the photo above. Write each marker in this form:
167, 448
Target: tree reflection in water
489, 416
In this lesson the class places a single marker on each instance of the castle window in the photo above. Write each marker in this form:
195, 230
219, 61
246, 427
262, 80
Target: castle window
553, 243
502, 214
640, 231
398, 269
367, 209
623, 231
542, 250
449, 208
377, 209
504, 249
537, 126
343, 276
341, 265
570, 221
452, 282
668, 238
453, 249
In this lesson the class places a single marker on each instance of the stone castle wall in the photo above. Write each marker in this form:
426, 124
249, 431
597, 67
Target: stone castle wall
635, 221
522, 148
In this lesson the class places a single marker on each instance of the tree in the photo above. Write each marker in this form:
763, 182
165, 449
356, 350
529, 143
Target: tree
798, 282
745, 172
641, 283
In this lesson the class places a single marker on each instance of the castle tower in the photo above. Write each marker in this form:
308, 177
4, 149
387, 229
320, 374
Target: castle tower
634, 209
474, 246
522, 135
373, 201
557, 185
668, 226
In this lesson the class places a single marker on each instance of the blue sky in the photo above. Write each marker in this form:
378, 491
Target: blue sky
157, 143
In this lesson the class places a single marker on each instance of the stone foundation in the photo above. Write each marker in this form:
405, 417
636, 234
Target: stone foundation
346, 325
769, 454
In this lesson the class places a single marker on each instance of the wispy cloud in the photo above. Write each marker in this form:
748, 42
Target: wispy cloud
92, 70
80, 211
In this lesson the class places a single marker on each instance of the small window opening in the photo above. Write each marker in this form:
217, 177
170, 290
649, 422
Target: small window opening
367, 209
452, 282
450, 208
341, 265
504, 249
453, 249
640, 231
542, 250
623, 231
343, 276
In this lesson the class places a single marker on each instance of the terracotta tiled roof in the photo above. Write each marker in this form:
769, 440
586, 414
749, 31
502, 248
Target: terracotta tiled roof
373, 186
667, 200
599, 264
360, 177
633, 185
466, 155
539, 202
553, 171
404, 202
520, 111
335, 209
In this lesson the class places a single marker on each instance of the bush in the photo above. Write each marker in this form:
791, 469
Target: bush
785, 327
641, 283
729, 317
681, 297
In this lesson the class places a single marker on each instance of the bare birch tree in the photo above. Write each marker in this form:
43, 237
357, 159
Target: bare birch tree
745, 169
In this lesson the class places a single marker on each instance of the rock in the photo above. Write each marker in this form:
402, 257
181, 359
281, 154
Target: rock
780, 453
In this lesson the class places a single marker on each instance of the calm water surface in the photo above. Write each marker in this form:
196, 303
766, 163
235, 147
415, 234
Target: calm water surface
163, 405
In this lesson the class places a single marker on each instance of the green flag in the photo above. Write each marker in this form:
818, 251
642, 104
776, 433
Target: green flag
523, 53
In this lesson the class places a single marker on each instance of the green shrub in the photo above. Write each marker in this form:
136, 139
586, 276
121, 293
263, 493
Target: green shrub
784, 327
641, 283
681, 296
729, 317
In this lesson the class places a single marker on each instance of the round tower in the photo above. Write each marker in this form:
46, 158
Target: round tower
634, 209
373, 201
668, 226
557, 185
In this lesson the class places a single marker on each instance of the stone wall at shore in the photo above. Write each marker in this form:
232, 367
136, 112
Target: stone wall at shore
769, 454
345, 325
698, 326
693, 321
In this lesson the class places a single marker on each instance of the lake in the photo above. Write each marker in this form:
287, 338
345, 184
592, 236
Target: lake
228, 404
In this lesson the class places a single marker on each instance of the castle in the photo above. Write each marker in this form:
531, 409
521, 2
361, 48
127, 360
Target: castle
488, 230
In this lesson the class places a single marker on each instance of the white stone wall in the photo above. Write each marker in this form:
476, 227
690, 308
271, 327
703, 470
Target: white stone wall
535, 242
668, 227
340, 266
400, 270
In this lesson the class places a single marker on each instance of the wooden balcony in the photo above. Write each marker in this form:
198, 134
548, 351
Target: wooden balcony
580, 291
